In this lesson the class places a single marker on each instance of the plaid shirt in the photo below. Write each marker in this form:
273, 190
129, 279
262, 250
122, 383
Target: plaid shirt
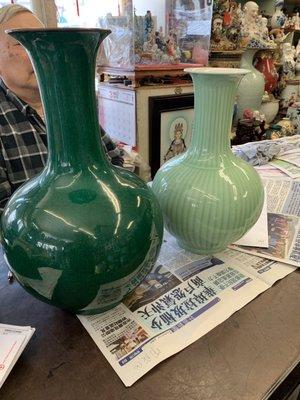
23, 144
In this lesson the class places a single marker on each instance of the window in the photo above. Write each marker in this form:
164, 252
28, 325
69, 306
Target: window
25, 3
83, 13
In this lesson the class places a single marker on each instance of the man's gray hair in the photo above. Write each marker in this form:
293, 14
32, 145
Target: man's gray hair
7, 12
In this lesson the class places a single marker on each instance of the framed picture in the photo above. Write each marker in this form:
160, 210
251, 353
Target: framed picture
171, 121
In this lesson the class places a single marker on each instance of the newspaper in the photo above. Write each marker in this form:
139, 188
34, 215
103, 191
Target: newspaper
293, 158
184, 297
283, 199
268, 170
13, 340
288, 168
258, 235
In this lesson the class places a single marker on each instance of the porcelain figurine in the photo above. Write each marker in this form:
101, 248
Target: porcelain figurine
287, 127
297, 21
298, 48
254, 28
265, 64
293, 113
288, 60
297, 67
289, 94
226, 27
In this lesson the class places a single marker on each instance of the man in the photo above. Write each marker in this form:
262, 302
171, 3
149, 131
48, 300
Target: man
23, 139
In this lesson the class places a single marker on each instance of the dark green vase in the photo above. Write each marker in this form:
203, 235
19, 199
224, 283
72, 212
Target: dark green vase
83, 233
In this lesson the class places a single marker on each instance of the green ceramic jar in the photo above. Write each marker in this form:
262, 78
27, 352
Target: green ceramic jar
209, 197
83, 233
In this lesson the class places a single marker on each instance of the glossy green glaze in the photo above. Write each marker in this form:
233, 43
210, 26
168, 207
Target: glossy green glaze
83, 233
209, 197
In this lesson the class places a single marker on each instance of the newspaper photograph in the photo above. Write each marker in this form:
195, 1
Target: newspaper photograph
184, 297
283, 199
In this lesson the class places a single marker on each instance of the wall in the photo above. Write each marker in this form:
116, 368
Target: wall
157, 8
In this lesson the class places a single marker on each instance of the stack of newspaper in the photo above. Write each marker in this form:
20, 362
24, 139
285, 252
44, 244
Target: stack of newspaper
282, 185
187, 295
13, 340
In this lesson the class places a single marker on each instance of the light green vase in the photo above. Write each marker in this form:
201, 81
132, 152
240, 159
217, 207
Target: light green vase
209, 197
251, 87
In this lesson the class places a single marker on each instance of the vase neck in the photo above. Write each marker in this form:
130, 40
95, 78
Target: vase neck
214, 103
64, 63
247, 59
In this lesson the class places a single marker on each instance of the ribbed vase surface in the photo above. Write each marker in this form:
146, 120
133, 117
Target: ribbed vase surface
209, 197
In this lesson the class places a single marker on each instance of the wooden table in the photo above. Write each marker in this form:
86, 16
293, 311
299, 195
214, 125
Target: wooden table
244, 358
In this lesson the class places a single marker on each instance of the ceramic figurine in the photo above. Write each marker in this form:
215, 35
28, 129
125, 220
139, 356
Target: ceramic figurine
209, 197
297, 67
287, 127
293, 113
226, 26
278, 19
289, 23
289, 94
265, 64
264, 29
254, 28
288, 60
297, 21
250, 16
274, 132
250, 128
149, 25
298, 49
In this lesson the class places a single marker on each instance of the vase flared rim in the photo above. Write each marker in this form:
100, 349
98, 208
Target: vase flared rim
217, 71
40, 30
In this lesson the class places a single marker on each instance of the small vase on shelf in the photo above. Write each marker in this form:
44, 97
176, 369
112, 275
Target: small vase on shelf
278, 19
252, 86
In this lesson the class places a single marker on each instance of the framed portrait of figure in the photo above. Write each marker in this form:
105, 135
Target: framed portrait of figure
171, 120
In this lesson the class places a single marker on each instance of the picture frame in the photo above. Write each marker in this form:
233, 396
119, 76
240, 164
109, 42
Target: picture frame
171, 121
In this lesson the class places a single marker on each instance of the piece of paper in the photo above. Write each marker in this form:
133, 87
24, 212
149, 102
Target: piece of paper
184, 297
258, 235
290, 169
283, 198
270, 171
292, 158
13, 340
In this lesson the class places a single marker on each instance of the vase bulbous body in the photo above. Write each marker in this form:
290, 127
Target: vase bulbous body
278, 19
251, 87
209, 197
83, 233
